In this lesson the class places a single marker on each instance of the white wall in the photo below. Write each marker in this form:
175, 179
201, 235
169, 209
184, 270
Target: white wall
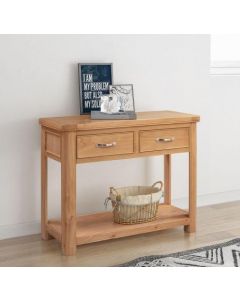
225, 106
38, 78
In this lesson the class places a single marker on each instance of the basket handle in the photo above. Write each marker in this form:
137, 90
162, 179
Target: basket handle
158, 182
108, 199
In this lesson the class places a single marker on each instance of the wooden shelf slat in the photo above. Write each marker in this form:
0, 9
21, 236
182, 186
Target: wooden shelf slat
100, 226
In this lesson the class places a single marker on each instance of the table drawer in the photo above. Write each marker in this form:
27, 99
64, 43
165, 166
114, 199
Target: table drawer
154, 140
104, 144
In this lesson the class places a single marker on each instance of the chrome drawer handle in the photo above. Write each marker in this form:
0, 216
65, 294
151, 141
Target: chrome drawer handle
165, 140
106, 145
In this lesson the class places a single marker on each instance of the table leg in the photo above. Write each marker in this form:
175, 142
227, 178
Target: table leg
167, 179
44, 181
192, 180
68, 191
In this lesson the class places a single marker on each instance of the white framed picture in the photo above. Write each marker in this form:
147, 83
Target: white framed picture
122, 95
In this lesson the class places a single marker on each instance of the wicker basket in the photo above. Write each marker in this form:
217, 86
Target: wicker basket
135, 204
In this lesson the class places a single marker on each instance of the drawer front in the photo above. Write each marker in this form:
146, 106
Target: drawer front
154, 140
104, 144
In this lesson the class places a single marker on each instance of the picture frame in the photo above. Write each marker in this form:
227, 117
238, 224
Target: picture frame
94, 82
125, 95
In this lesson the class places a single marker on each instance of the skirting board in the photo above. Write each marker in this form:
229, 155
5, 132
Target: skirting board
22, 229
209, 199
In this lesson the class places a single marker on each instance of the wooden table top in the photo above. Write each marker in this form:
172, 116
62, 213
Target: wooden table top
84, 122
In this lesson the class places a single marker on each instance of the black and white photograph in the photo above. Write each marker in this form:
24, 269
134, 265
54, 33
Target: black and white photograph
122, 95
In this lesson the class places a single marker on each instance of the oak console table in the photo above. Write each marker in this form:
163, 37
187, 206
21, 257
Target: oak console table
78, 139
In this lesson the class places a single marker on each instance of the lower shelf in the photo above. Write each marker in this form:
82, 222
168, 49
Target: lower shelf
100, 226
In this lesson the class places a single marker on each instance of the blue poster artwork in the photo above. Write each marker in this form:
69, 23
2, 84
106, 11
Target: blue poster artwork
94, 81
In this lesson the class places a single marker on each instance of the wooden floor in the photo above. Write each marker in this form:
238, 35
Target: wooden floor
216, 223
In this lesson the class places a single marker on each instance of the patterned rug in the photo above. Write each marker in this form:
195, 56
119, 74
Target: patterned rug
221, 255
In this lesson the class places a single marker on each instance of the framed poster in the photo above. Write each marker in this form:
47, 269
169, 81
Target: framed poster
94, 81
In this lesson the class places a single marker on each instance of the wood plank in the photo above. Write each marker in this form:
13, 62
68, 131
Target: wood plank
53, 144
100, 226
84, 122
192, 180
44, 186
53, 157
167, 179
135, 129
68, 193
52, 229
133, 155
